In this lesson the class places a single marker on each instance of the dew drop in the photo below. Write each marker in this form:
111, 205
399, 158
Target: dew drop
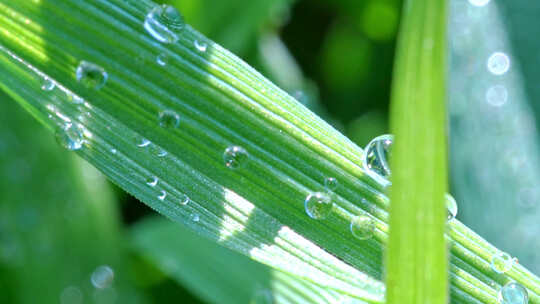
318, 205
48, 84
362, 227
497, 95
102, 277
235, 157
164, 22
113, 151
184, 199
162, 195
200, 45
91, 75
501, 262
330, 183
498, 63
143, 143
513, 293
195, 217
70, 136
162, 59
152, 181
451, 207
377, 153
169, 119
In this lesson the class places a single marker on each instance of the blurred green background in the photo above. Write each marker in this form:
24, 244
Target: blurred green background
69, 236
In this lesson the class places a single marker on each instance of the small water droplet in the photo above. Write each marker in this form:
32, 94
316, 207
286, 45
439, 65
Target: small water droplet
162, 195
362, 227
48, 84
451, 207
195, 217
91, 75
143, 143
184, 199
169, 119
102, 277
497, 95
70, 136
162, 59
501, 262
113, 151
498, 63
200, 45
330, 184
152, 181
377, 154
162, 153
318, 205
164, 23
235, 157
513, 293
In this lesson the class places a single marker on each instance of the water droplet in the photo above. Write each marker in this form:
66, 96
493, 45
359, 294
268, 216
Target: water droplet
200, 45
497, 95
235, 157
318, 205
102, 277
451, 207
169, 119
164, 22
362, 227
498, 63
71, 295
113, 151
377, 153
143, 143
501, 262
162, 59
479, 2
152, 181
513, 293
195, 217
48, 84
330, 183
91, 75
70, 136
184, 199
162, 153
162, 195
75, 99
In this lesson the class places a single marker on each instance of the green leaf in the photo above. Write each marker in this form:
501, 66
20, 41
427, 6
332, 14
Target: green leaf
219, 275
417, 262
256, 209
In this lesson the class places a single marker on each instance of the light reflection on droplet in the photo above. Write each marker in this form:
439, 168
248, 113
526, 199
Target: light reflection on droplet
479, 2
200, 45
497, 95
498, 63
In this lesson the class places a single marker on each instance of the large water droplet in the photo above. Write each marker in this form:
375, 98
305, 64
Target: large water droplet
200, 45
501, 262
330, 183
498, 63
451, 207
235, 157
318, 205
377, 154
102, 277
169, 119
48, 84
362, 227
164, 23
91, 75
513, 293
70, 136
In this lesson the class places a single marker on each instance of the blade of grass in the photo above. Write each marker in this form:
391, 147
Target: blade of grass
416, 263
258, 209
